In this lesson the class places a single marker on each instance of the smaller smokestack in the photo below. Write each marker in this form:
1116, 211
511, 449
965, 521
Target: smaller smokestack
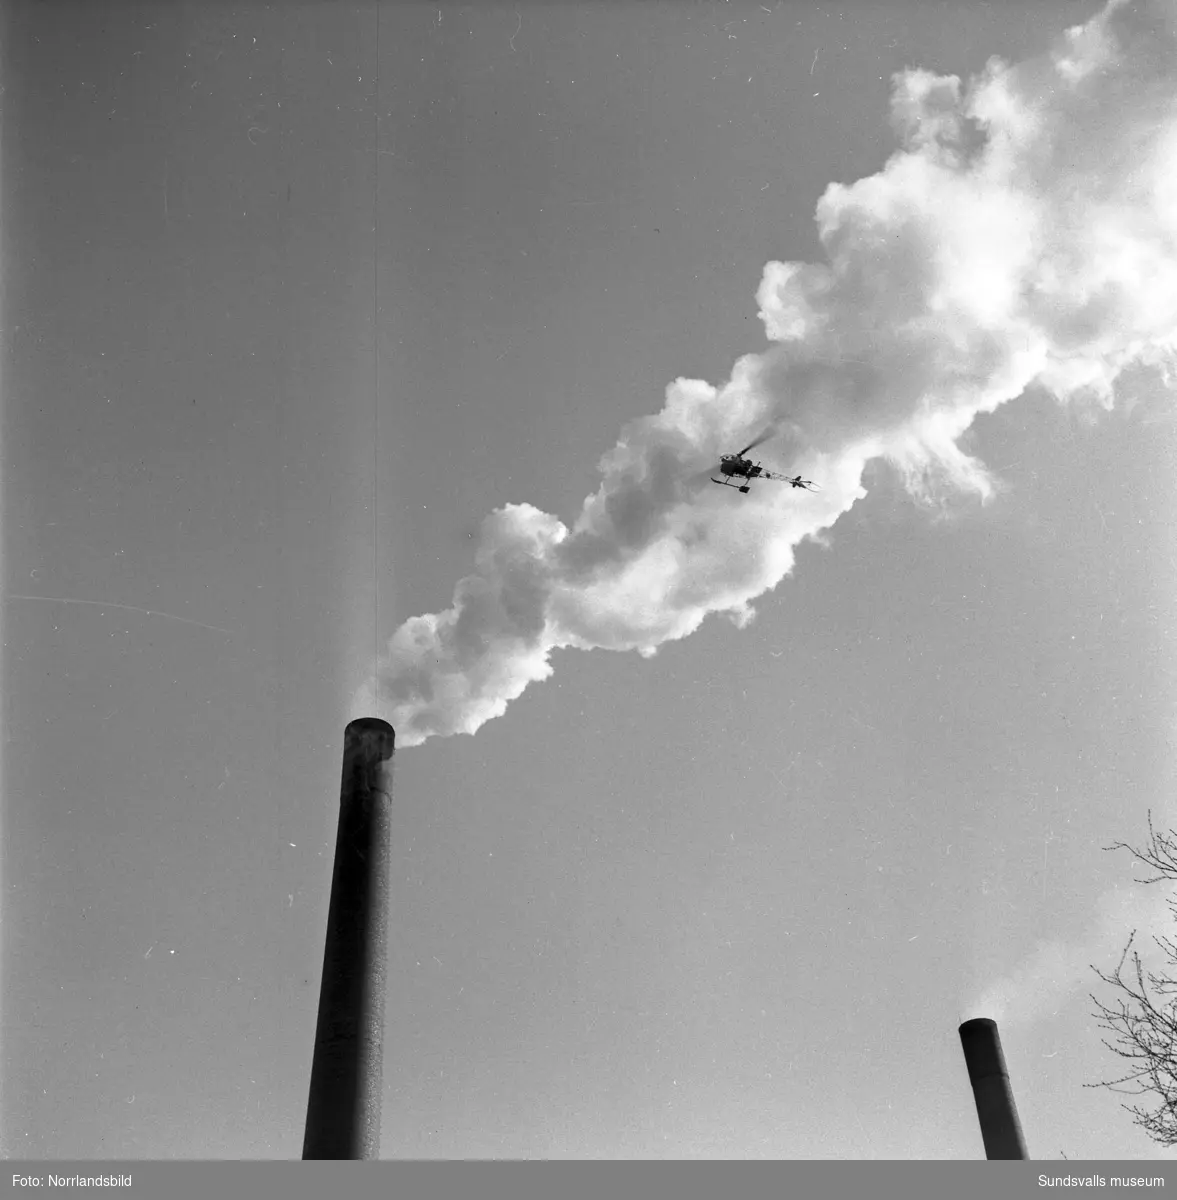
1000, 1127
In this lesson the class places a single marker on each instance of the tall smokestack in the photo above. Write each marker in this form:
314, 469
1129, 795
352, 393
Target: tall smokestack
343, 1112
1000, 1127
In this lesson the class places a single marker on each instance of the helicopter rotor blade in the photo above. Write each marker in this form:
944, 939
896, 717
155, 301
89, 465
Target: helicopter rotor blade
762, 438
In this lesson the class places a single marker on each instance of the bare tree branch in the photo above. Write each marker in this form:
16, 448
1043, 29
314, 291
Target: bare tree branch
1160, 853
1143, 1016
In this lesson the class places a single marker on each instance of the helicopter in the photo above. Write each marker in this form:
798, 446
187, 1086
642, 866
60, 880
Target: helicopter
736, 465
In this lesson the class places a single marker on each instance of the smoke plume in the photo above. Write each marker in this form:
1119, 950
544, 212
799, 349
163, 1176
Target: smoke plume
1057, 970
1024, 233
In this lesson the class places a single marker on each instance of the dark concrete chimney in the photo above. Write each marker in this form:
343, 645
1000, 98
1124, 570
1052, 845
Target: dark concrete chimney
1000, 1127
343, 1112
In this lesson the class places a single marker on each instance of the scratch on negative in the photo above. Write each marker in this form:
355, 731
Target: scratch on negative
516, 33
151, 612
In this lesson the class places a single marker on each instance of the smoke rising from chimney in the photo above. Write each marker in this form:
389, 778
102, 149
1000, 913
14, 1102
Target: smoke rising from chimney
1025, 234
1057, 970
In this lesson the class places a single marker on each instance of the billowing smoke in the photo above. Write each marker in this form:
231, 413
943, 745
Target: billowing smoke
1025, 233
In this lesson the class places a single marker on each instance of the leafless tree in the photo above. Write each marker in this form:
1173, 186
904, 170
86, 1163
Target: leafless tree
1143, 1015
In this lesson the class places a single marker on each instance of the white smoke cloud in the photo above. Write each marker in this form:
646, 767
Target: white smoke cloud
1057, 969
1025, 233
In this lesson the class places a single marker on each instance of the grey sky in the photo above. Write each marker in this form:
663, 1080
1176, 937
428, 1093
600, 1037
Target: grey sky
731, 901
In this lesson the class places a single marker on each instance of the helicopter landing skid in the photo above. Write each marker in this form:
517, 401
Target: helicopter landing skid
726, 483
